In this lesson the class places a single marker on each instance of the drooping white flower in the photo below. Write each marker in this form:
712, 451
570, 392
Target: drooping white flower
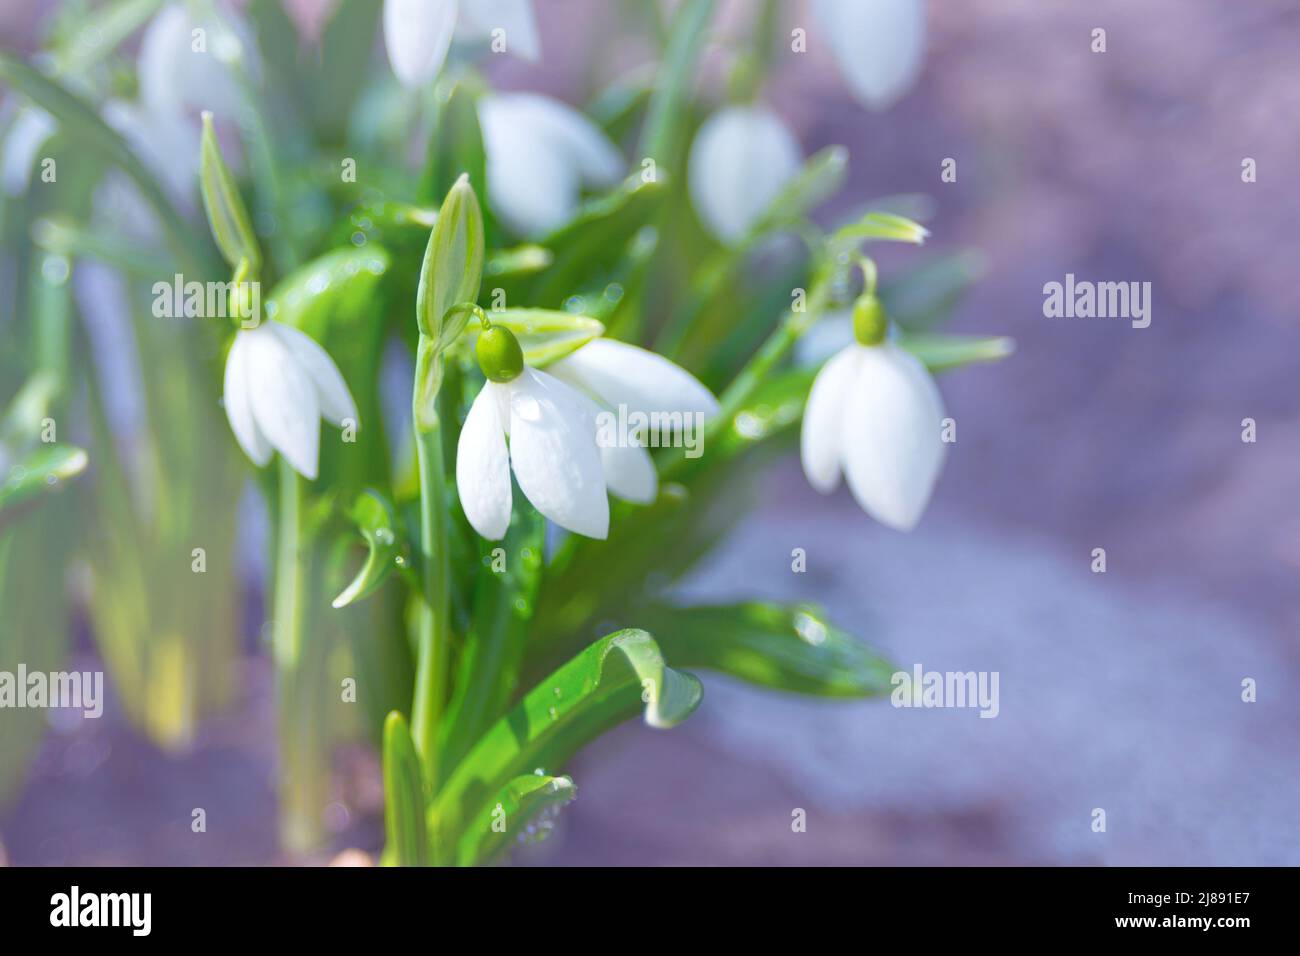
279, 383
741, 159
418, 33
540, 153
552, 431
878, 44
628, 380
875, 414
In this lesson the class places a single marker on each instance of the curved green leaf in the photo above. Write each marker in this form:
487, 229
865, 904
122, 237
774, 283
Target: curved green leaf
375, 518
613, 679
786, 648
227, 215
942, 352
875, 226
523, 813
547, 335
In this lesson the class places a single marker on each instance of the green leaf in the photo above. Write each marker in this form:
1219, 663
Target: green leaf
40, 471
618, 676
925, 295
596, 239
821, 177
456, 145
227, 216
375, 519
547, 335
880, 225
101, 31
526, 807
345, 48
518, 261
664, 135
453, 261
404, 809
943, 352
786, 648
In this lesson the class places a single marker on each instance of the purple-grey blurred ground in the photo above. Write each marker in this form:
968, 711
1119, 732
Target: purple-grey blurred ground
1119, 691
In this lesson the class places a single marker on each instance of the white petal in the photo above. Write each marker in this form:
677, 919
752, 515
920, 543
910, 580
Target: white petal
630, 472
554, 454
284, 401
239, 406
891, 436
823, 417
479, 18
483, 467
878, 44
620, 374
417, 34
336, 404
741, 159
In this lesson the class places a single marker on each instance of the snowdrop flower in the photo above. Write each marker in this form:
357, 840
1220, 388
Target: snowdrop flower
553, 452
540, 153
551, 422
878, 44
628, 381
418, 33
279, 383
875, 413
742, 157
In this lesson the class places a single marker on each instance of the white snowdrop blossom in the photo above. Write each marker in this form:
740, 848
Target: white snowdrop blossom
540, 154
879, 45
551, 423
742, 157
637, 382
875, 413
279, 384
552, 431
418, 33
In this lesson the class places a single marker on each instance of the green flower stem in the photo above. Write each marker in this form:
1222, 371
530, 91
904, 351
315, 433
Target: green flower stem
433, 647
772, 351
302, 739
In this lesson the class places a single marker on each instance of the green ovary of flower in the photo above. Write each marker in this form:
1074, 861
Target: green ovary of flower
499, 354
869, 320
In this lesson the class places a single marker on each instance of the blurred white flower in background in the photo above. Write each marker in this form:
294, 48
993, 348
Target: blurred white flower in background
741, 159
28, 132
621, 376
878, 45
540, 154
875, 414
188, 65
418, 33
279, 383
